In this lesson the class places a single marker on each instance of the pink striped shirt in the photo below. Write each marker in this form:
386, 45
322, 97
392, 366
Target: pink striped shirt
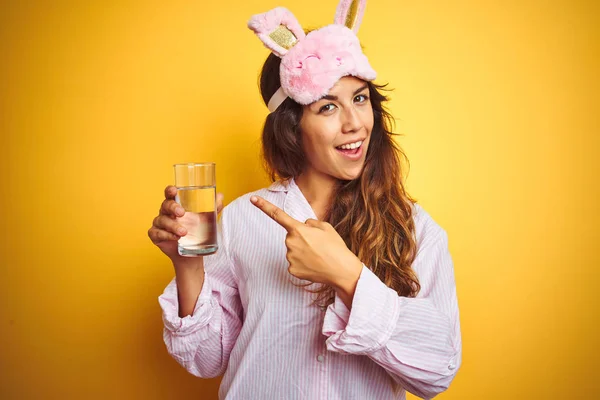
252, 324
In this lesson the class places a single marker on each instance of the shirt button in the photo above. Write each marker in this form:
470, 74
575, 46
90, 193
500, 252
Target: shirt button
451, 366
320, 358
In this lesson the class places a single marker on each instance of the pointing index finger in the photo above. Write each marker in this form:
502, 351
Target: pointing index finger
276, 213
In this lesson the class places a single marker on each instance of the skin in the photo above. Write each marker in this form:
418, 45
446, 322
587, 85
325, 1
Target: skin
315, 251
326, 124
164, 233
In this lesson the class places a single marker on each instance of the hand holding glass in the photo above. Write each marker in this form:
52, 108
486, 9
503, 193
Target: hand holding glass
196, 193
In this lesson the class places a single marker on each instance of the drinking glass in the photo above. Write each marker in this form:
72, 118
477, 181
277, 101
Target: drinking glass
196, 193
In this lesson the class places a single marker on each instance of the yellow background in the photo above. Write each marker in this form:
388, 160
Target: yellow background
499, 107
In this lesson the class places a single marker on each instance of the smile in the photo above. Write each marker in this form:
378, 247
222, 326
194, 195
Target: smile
352, 151
351, 146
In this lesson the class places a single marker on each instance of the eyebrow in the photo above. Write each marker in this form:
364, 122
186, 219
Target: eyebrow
360, 89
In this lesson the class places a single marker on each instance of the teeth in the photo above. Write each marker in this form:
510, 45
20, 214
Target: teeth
351, 146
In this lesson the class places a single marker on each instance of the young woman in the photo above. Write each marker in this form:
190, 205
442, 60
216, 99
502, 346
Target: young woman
332, 283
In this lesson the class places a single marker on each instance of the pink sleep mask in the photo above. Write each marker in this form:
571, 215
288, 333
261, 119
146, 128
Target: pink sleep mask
312, 63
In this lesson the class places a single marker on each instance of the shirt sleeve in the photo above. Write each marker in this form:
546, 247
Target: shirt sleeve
202, 342
416, 340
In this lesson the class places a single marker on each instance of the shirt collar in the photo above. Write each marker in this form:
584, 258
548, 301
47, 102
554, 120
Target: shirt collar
295, 204
281, 185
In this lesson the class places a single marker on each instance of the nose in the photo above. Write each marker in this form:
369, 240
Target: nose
350, 120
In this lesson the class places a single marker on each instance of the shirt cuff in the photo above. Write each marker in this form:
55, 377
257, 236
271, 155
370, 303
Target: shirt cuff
370, 323
191, 323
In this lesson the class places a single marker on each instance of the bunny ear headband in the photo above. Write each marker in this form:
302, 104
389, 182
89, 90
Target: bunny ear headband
312, 63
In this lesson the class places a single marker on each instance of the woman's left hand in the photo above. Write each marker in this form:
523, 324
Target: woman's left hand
315, 251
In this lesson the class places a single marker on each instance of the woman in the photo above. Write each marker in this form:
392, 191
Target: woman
332, 283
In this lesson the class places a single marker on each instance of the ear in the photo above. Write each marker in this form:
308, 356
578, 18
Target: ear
350, 13
278, 29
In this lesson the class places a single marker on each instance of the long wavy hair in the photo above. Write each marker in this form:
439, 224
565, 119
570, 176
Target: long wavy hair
372, 213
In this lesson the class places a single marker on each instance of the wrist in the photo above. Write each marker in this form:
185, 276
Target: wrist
346, 283
188, 263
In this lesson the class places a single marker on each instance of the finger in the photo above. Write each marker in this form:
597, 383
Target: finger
220, 198
276, 213
170, 225
170, 192
327, 226
315, 223
159, 235
171, 207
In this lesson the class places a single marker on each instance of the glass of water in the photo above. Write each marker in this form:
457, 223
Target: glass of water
196, 193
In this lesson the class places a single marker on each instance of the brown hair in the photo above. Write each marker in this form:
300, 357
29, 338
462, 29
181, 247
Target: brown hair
373, 213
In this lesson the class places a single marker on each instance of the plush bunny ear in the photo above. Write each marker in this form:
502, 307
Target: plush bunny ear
278, 29
350, 13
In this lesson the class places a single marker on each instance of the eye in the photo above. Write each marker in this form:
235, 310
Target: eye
361, 98
326, 107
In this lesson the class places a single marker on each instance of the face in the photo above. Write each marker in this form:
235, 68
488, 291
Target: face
336, 130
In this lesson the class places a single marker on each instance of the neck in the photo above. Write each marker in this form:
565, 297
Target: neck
317, 188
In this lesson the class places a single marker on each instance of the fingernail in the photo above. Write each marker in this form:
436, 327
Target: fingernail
253, 199
180, 210
181, 231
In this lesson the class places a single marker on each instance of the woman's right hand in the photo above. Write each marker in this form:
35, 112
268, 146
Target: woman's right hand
166, 230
